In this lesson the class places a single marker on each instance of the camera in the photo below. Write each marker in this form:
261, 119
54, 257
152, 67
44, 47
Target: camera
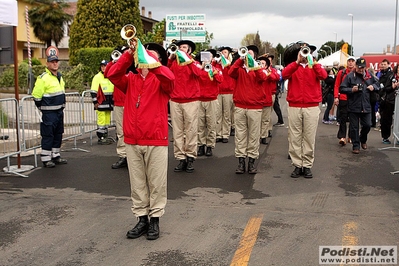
360, 87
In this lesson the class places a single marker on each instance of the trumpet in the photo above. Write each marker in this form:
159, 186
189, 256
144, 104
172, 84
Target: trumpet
243, 51
305, 51
115, 55
172, 48
218, 56
208, 67
127, 33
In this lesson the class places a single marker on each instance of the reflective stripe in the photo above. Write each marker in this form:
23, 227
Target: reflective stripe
53, 94
55, 107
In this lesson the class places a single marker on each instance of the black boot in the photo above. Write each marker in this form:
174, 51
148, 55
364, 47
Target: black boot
140, 228
181, 166
263, 141
297, 172
122, 162
201, 150
208, 151
307, 173
251, 167
153, 229
190, 165
241, 166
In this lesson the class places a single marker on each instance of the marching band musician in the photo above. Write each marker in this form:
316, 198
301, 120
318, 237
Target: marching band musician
269, 85
304, 96
209, 81
145, 125
248, 98
184, 105
225, 98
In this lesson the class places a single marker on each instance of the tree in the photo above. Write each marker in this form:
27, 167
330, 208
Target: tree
279, 54
47, 19
157, 35
98, 24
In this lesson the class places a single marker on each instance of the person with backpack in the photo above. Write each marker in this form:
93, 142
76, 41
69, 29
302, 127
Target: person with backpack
341, 101
328, 95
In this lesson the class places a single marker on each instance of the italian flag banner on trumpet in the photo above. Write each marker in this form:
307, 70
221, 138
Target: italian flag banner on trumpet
183, 58
224, 62
250, 63
143, 59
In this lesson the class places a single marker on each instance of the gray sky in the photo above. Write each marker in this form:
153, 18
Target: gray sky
286, 21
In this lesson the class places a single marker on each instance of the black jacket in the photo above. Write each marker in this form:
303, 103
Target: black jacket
359, 102
387, 93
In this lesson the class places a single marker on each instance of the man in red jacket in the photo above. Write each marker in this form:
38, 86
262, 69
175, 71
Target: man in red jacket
225, 97
184, 105
341, 100
248, 99
269, 86
209, 81
304, 96
145, 125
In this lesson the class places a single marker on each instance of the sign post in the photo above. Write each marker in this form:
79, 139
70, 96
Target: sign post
185, 26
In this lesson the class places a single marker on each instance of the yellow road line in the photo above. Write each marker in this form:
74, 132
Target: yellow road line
248, 239
349, 235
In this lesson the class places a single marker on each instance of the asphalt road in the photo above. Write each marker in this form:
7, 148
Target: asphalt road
79, 213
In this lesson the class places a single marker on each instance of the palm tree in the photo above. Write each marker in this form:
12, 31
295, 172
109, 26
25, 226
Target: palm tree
47, 18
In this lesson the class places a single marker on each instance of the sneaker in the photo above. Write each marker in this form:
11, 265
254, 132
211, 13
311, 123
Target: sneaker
386, 141
59, 160
278, 124
323, 105
328, 122
49, 164
104, 142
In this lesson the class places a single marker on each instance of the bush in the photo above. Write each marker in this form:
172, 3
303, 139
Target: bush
35, 62
74, 79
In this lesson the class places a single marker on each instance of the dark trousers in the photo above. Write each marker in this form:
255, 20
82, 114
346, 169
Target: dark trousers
51, 129
373, 111
386, 112
330, 101
365, 123
277, 109
342, 118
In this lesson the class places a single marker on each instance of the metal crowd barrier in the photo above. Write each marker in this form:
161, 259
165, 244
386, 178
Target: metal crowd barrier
395, 130
9, 130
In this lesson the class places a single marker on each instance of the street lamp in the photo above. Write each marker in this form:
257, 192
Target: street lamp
323, 51
351, 15
328, 48
396, 26
335, 42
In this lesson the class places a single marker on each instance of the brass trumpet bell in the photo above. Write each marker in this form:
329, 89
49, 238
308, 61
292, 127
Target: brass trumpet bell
243, 51
208, 67
172, 48
128, 32
115, 55
305, 51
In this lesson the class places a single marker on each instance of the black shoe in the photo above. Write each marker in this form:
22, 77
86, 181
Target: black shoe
289, 157
270, 134
297, 172
225, 140
208, 151
59, 160
307, 173
232, 132
153, 229
49, 164
190, 165
104, 142
181, 166
140, 228
251, 167
122, 162
218, 140
201, 150
241, 166
263, 141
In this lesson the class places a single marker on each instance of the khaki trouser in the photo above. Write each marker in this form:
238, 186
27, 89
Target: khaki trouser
185, 129
224, 116
207, 123
302, 128
247, 122
148, 168
270, 126
265, 121
120, 146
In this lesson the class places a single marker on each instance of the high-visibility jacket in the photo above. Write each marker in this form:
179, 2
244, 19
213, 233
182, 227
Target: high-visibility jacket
49, 91
102, 91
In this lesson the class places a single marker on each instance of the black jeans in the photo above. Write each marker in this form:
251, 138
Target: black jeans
330, 102
386, 111
342, 111
365, 123
277, 109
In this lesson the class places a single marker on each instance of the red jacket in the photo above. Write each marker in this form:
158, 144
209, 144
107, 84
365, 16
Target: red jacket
228, 83
248, 92
209, 89
304, 88
119, 96
145, 118
338, 81
269, 86
186, 82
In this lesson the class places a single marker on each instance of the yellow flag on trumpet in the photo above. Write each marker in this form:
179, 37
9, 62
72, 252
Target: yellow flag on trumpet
344, 47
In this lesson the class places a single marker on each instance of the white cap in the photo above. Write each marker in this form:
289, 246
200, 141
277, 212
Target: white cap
351, 58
